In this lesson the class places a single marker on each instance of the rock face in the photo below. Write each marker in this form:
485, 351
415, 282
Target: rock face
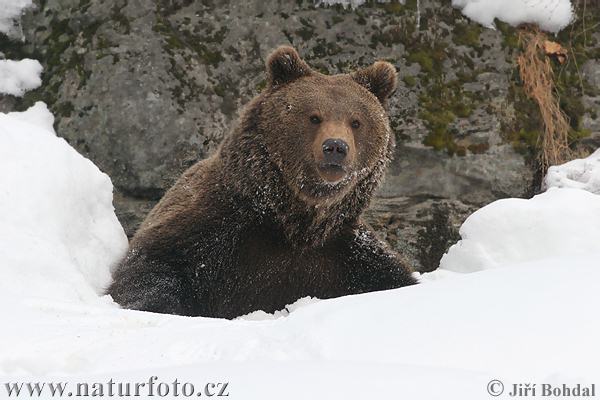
146, 88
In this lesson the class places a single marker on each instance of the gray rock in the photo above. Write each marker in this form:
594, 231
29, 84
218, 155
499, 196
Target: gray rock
145, 89
591, 72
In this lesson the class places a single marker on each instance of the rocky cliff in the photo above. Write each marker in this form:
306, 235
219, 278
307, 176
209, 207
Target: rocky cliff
146, 88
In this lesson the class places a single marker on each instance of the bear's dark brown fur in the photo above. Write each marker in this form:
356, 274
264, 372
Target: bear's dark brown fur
274, 215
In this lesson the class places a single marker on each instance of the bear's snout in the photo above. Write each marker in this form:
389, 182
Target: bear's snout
335, 151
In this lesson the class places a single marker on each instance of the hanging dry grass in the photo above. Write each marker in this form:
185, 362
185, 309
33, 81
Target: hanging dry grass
538, 82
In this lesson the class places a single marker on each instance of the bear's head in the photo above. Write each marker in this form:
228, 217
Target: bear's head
315, 145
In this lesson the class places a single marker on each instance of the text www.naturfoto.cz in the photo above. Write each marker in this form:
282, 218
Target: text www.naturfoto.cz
110, 388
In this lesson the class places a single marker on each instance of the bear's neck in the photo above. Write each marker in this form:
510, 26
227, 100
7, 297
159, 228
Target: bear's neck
261, 184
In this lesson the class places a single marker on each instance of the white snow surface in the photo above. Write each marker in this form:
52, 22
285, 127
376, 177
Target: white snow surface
578, 174
533, 320
17, 77
557, 223
550, 15
58, 231
38, 114
10, 12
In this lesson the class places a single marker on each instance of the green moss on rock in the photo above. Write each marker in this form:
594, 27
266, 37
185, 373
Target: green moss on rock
466, 34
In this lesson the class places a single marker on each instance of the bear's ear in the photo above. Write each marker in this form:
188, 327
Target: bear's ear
380, 79
285, 65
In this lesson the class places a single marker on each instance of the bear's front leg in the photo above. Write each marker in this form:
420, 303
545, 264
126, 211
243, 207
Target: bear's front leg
371, 265
142, 288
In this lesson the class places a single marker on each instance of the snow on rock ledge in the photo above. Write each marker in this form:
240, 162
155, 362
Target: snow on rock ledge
17, 77
577, 174
59, 235
550, 15
10, 11
557, 223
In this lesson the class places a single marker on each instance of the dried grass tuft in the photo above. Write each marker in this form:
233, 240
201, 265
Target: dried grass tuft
538, 82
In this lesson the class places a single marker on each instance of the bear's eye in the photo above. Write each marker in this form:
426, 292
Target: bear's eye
355, 124
315, 119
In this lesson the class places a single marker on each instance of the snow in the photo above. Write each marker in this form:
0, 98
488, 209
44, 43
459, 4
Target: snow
550, 15
260, 315
38, 114
515, 323
579, 174
10, 12
526, 314
554, 224
17, 77
58, 231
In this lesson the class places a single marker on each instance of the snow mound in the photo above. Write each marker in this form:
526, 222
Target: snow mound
557, 223
10, 12
578, 174
38, 114
59, 235
549, 15
17, 77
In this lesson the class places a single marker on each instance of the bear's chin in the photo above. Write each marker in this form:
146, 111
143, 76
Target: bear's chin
322, 192
332, 174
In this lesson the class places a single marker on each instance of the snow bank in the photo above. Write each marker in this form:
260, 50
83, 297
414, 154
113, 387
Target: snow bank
530, 322
17, 77
557, 223
578, 174
550, 15
10, 11
58, 231
38, 114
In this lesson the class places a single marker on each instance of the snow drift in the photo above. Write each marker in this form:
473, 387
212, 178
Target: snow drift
58, 231
578, 174
531, 320
558, 223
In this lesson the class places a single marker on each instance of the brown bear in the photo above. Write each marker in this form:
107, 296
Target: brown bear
274, 214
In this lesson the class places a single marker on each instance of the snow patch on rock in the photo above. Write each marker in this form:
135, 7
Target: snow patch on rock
17, 77
577, 174
10, 13
549, 15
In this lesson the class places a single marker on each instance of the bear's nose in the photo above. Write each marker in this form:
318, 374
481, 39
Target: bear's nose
335, 150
